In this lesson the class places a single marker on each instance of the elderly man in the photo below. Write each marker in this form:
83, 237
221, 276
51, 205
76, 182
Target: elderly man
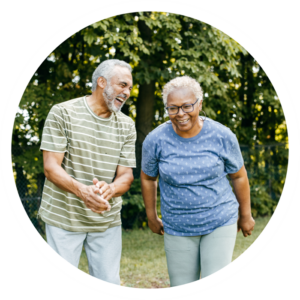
88, 150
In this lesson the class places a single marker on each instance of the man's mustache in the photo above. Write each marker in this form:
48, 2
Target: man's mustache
122, 96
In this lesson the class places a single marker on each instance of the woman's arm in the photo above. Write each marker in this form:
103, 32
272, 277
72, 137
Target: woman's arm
242, 192
149, 192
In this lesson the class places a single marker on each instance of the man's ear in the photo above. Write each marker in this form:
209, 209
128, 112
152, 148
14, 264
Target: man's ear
101, 82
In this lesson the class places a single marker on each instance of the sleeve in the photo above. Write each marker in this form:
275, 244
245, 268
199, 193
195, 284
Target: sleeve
54, 136
231, 154
149, 158
127, 154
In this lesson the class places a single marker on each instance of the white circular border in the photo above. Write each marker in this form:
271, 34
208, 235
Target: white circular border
291, 179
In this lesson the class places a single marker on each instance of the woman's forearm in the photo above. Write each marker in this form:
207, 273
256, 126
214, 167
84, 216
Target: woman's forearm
241, 189
242, 192
149, 192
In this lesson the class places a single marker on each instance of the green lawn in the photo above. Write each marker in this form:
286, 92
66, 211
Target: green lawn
143, 262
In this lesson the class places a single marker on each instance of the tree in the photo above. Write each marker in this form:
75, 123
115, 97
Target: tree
159, 46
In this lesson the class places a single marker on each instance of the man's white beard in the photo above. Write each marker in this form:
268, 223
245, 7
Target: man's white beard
108, 95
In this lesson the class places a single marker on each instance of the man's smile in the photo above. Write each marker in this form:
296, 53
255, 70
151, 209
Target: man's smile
120, 100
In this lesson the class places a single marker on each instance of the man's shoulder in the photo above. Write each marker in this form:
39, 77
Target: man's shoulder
125, 119
73, 103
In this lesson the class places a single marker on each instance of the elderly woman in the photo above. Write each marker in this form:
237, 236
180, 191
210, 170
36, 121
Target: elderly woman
200, 213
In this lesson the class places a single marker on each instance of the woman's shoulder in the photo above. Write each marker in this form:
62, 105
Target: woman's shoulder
159, 133
161, 129
219, 128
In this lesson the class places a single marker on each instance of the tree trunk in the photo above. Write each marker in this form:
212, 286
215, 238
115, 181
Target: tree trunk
144, 119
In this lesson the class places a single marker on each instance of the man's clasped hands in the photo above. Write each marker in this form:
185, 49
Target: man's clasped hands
96, 196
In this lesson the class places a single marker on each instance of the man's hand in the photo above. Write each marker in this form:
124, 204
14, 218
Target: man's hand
57, 175
156, 225
107, 191
246, 224
95, 202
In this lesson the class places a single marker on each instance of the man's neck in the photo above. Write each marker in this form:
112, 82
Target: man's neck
98, 105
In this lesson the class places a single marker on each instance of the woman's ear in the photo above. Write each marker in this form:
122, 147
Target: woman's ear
200, 105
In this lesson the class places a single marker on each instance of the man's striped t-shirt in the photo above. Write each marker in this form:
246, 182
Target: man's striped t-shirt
93, 148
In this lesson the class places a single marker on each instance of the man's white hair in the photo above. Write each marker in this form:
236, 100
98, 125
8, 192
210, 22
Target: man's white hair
180, 82
105, 69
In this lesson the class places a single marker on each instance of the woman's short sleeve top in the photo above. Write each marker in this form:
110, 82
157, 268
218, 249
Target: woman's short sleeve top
196, 196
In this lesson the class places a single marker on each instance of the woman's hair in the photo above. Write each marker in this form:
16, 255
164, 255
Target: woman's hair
183, 81
105, 69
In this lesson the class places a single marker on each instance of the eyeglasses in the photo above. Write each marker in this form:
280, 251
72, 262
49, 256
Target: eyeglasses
173, 110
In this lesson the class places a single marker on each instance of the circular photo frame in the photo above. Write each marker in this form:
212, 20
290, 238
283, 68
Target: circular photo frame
134, 293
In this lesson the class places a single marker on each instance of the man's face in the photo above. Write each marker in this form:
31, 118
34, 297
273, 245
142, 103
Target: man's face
117, 90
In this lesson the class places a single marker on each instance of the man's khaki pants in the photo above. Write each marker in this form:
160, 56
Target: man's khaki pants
103, 250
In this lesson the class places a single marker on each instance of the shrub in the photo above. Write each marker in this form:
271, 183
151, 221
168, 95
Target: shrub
133, 212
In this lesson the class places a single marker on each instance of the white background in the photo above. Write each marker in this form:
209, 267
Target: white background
6, 164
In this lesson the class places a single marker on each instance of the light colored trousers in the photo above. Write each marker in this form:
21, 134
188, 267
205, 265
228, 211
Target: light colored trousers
103, 250
188, 256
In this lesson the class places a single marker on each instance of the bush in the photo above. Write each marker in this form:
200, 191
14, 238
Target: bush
133, 212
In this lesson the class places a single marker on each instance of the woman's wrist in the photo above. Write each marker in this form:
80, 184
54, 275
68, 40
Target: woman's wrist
245, 214
152, 216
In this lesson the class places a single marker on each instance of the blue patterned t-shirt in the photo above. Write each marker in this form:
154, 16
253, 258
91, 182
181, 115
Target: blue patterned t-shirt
196, 197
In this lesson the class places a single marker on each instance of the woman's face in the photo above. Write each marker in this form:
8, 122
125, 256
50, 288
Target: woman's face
185, 123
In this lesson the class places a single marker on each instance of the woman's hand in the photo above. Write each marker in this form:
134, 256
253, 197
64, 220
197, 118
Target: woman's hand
246, 224
156, 225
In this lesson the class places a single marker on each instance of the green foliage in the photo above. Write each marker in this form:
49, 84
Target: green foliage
261, 202
133, 209
160, 46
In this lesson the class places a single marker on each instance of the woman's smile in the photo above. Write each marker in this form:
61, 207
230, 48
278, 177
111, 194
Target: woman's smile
185, 124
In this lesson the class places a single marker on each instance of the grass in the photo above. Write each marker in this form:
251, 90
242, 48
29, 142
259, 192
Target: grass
242, 243
143, 262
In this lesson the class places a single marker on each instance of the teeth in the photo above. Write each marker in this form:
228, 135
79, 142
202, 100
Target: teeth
120, 99
183, 121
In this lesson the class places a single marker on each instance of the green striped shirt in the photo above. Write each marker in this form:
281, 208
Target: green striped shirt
93, 147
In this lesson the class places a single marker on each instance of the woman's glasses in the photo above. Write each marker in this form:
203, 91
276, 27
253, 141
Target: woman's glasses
173, 110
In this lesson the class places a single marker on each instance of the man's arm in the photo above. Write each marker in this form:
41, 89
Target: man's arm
242, 192
120, 185
149, 192
57, 175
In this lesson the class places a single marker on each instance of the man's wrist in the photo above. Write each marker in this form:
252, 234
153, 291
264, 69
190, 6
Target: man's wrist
78, 187
112, 188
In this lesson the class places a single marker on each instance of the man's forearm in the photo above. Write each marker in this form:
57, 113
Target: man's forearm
58, 176
88, 194
121, 184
